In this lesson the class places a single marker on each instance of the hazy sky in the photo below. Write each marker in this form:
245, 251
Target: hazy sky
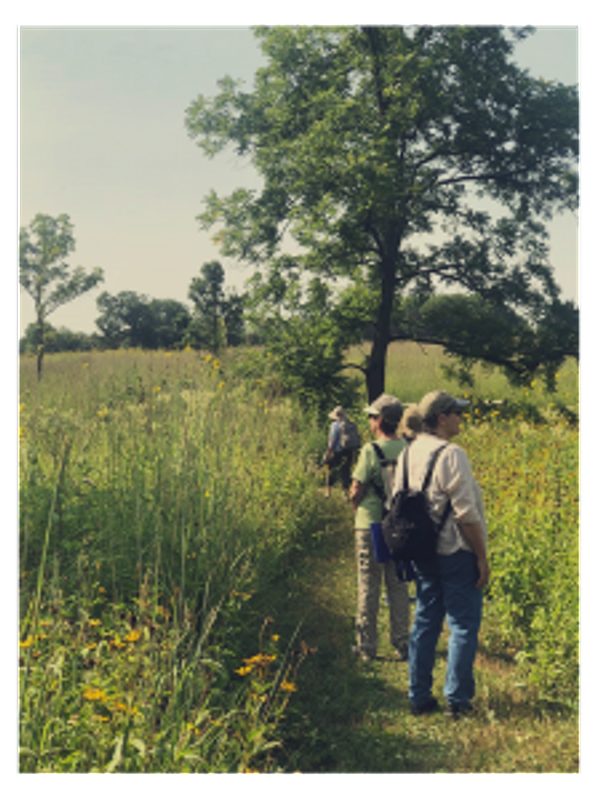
102, 139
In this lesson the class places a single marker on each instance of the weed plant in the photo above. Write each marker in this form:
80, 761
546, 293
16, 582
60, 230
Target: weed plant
155, 495
169, 506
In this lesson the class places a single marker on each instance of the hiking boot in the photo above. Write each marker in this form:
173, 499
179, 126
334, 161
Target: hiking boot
362, 655
401, 653
424, 708
458, 710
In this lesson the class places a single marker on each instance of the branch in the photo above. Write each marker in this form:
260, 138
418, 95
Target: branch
356, 366
490, 176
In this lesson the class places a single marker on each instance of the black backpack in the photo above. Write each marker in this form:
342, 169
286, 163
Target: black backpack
409, 530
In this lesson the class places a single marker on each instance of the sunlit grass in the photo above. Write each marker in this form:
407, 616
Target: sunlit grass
168, 503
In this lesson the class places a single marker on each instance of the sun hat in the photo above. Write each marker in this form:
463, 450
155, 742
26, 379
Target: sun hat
338, 413
439, 402
387, 407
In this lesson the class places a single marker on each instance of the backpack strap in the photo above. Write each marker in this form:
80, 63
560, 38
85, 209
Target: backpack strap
405, 469
383, 461
427, 481
432, 462
379, 490
380, 454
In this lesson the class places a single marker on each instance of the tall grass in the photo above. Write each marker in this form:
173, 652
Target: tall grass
413, 370
155, 496
161, 495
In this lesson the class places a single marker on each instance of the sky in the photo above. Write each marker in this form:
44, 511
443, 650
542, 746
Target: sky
102, 139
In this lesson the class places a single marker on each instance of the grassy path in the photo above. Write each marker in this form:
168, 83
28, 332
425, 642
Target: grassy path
353, 717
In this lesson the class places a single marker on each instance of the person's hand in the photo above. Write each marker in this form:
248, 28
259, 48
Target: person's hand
484, 572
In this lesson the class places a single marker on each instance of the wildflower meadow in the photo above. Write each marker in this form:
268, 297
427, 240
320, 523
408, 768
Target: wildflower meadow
169, 503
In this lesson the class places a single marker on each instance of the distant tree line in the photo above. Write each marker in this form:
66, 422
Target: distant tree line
129, 319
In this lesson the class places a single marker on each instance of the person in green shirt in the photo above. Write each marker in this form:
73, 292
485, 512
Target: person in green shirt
385, 414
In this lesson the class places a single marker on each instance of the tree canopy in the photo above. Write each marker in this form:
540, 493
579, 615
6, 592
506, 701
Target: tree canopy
398, 163
45, 275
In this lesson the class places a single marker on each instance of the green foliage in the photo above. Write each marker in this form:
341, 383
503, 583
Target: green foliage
475, 329
529, 480
169, 506
129, 319
309, 358
56, 340
218, 319
158, 492
43, 272
374, 144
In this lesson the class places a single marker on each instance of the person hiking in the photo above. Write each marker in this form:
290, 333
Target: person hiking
366, 493
449, 585
342, 445
411, 423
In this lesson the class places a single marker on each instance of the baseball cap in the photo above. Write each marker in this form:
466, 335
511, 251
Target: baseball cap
439, 402
387, 407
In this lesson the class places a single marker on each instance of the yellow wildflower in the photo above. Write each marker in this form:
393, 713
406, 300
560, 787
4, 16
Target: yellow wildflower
93, 623
95, 695
275, 637
157, 388
28, 642
132, 636
244, 670
286, 686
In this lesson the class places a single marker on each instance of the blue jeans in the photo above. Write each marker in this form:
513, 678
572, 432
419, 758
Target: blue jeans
445, 588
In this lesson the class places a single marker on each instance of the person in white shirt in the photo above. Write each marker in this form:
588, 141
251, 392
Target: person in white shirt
449, 586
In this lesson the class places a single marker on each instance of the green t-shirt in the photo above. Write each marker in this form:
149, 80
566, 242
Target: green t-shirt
367, 469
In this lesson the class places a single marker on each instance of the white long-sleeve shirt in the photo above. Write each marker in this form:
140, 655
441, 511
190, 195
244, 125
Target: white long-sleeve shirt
452, 479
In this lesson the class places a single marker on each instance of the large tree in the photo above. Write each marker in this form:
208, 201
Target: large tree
43, 273
129, 319
397, 162
218, 316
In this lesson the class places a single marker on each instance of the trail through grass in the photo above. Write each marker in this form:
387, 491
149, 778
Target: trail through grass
187, 592
352, 717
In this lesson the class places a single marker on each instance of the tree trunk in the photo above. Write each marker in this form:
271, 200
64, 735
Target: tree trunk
381, 338
40, 346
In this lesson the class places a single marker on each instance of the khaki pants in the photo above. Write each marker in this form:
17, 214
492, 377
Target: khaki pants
370, 574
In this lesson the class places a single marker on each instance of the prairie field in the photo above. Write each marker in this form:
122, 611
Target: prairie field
187, 589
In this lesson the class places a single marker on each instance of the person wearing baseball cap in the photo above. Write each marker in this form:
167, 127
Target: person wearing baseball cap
366, 493
449, 586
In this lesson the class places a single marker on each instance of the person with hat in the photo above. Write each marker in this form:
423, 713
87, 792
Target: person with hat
384, 414
337, 456
449, 586
411, 423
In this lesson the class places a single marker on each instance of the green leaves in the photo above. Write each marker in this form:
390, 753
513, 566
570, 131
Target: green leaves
43, 273
369, 139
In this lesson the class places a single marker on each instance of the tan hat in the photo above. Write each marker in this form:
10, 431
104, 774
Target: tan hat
439, 402
411, 422
338, 413
387, 407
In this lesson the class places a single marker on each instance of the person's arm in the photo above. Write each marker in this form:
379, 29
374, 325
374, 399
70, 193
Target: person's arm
473, 533
357, 492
